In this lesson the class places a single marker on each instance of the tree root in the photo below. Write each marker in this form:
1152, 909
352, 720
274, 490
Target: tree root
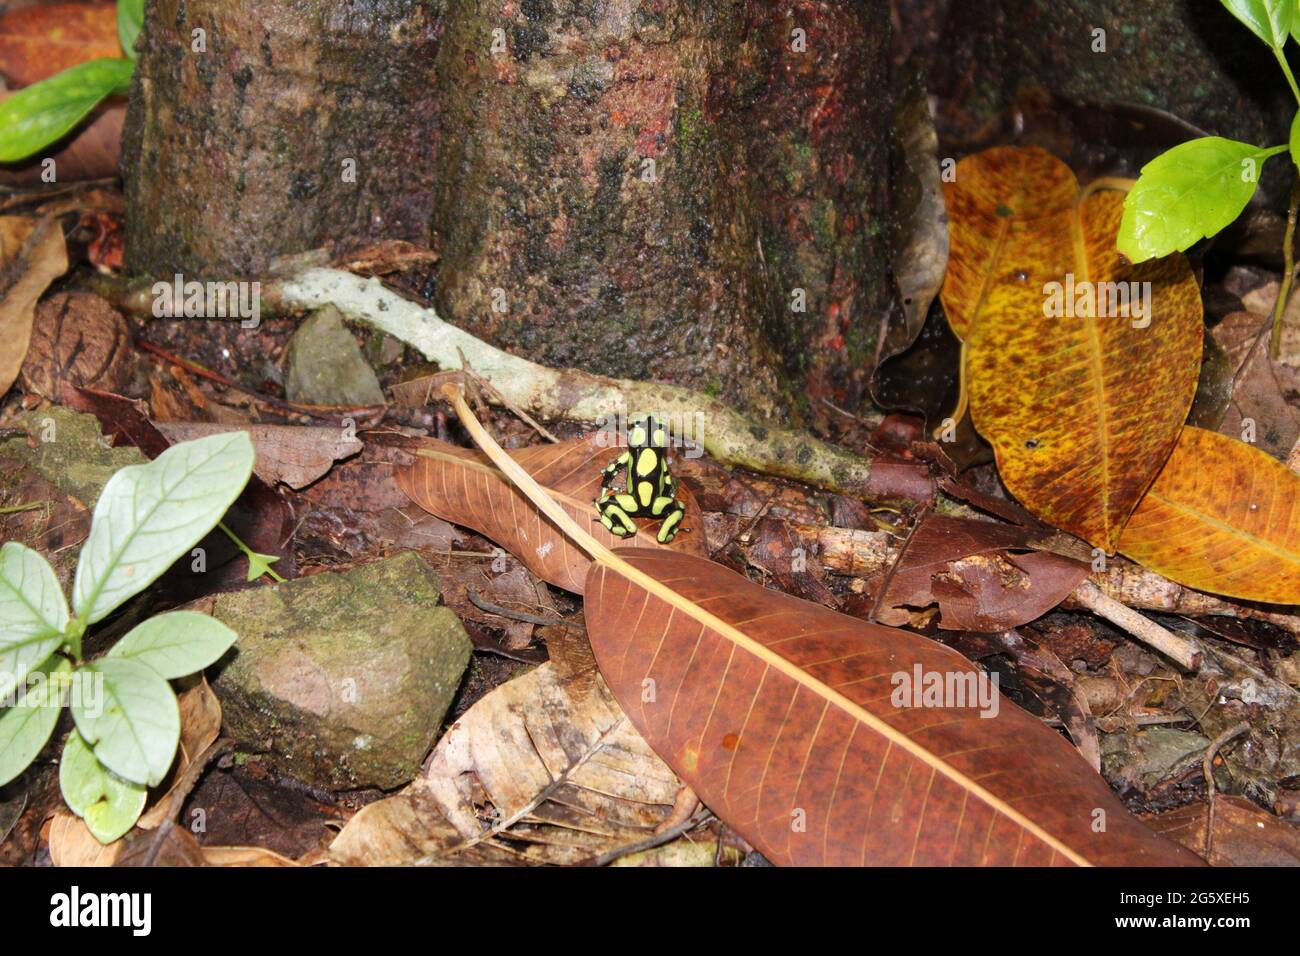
570, 394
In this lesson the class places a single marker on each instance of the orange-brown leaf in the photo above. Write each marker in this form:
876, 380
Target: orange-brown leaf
462, 486
1081, 409
778, 713
37, 42
1222, 517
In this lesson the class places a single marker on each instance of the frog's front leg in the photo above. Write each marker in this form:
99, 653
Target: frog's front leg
614, 514
673, 511
611, 470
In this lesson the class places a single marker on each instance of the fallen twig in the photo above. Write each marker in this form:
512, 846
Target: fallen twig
569, 394
1177, 649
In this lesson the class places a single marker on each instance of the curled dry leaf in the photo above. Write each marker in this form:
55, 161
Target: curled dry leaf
32, 255
292, 454
79, 339
1082, 405
462, 486
1221, 517
918, 235
544, 769
37, 42
965, 566
780, 714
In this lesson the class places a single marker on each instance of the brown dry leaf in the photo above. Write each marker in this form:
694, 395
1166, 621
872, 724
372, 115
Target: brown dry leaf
37, 42
1081, 409
293, 454
1259, 386
462, 486
79, 339
200, 727
32, 255
964, 566
780, 715
1242, 833
544, 769
1222, 517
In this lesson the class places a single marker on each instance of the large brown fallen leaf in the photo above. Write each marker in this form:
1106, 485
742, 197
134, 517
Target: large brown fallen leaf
1081, 409
32, 255
786, 719
1221, 517
462, 486
544, 769
780, 714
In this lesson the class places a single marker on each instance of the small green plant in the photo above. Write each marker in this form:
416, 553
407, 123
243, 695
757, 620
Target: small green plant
126, 715
45, 112
1199, 187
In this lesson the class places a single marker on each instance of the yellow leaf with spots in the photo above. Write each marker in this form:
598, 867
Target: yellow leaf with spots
1080, 368
1222, 517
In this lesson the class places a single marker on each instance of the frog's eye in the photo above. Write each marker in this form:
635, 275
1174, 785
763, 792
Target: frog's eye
636, 437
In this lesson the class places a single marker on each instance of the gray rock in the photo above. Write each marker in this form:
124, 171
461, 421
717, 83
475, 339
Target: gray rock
343, 679
326, 366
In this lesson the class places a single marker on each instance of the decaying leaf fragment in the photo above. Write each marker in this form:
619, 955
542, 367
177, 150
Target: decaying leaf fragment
1080, 368
1224, 517
967, 568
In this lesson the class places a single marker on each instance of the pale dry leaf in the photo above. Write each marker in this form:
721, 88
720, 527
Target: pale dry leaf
547, 761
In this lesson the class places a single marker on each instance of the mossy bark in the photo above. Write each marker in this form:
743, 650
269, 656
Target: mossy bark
639, 189
1188, 57
241, 138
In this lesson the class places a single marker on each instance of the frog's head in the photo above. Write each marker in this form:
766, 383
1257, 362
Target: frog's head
646, 432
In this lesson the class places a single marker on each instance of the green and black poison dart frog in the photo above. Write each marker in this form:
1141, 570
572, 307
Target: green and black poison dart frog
651, 490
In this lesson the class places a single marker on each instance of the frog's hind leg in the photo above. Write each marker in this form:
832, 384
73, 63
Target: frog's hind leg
614, 514
673, 511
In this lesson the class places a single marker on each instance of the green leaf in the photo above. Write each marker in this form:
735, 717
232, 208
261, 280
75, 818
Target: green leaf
109, 805
136, 726
45, 112
150, 515
1270, 20
33, 614
1190, 192
130, 19
26, 726
1295, 139
176, 644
